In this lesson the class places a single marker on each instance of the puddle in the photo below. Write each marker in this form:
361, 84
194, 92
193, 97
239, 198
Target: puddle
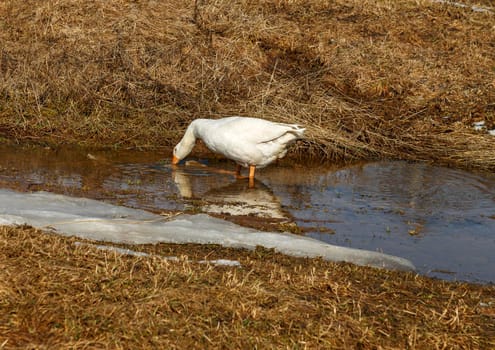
441, 219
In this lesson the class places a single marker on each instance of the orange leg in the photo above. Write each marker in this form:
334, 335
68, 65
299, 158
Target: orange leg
252, 169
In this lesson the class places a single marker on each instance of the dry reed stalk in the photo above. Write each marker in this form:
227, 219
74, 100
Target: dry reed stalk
370, 79
56, 294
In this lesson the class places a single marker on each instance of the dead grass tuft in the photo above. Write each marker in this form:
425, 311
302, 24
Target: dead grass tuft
370, 79
56, 294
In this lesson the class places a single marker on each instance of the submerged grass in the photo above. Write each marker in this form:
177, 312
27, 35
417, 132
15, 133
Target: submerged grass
370, 79
57, 294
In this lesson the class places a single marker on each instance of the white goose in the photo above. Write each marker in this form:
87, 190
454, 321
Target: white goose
250, 142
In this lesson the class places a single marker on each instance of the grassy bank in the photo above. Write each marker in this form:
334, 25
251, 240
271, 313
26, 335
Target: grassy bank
370, 79
55, 294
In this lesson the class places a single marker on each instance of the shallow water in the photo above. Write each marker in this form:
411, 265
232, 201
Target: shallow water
441, 219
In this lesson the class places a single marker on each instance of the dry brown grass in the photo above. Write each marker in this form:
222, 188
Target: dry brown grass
370, 79
55, 294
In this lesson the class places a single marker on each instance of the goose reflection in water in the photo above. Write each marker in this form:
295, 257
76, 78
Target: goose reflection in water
235, 198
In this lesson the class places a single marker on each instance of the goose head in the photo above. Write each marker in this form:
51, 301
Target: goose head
184, 147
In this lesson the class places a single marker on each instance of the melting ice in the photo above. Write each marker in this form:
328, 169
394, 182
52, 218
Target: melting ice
91, 219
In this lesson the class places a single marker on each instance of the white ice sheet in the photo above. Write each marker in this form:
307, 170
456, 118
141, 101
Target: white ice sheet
101, 221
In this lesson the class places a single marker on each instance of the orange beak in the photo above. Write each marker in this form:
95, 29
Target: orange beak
175, 160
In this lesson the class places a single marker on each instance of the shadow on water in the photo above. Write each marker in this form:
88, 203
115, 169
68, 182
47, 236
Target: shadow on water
441, 219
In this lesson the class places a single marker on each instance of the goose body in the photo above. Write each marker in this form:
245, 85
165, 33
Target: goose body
250, 142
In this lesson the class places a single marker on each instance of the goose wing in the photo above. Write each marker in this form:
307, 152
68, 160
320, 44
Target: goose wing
255, 131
